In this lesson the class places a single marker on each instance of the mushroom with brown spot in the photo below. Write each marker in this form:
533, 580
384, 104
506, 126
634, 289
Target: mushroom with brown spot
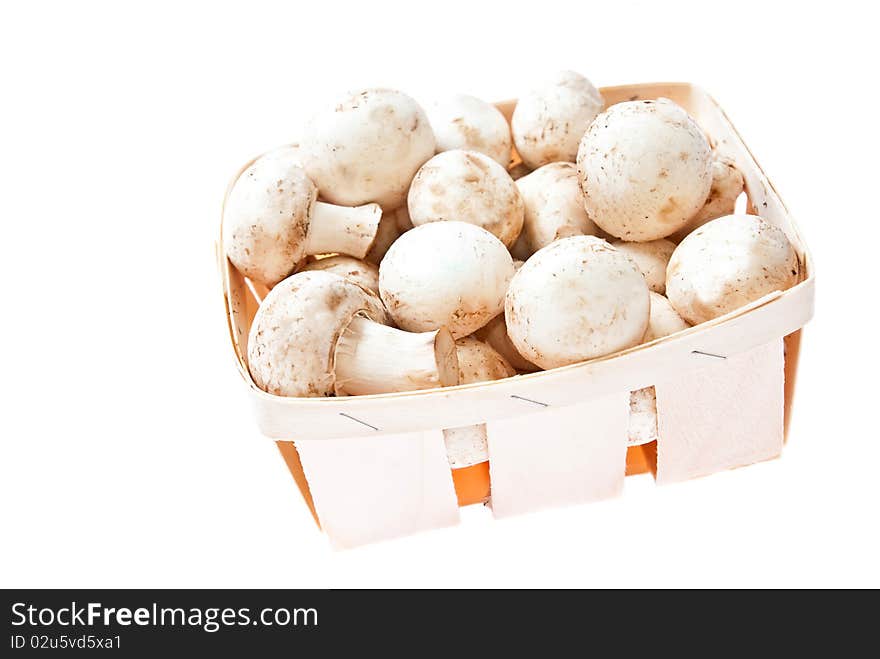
549, 121
318, 334
651, 258
362, 273
728, 263
576, 299
645, 169
727, 186
367, 147
449, 274
272, 220
469, 123
467, 186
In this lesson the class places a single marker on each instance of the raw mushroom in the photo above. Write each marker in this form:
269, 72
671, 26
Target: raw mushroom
576, 299
449, 274
643, 402
468, 187
645, 168
477, 362
727, 186
367, 147
318, 334
494, 333
651, 258
554, 207
518, 171
387, 233
466, 122
271, 220
664, 319
362, 273
728, 263
549, 121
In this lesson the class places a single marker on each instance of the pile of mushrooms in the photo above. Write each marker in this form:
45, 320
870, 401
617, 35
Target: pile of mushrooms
469, 249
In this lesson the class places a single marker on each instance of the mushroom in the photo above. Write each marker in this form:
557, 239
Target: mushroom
362, 273
643, 402
576, 299
554, 207
664, 319
466, 122
469, 187
318, 334
387, 233
651, 258
727, 186
449, 274
549, 121
519, 170
728, 263
477, 362
367, 147
272, 220
645, 168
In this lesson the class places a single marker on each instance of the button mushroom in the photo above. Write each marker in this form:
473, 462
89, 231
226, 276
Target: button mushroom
318, 334
651, 258
727, 186
645, 168
367, 147
576, 299
466, 122
643, 402
549, 121
477, 362
554, 207
362, 273
728, 263
272, 220
468, 187
449, 274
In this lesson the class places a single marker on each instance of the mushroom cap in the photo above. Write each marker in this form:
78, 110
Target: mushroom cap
467, 122
266, 216
468, 187
495, 334
386, 234
292, 342
728, 263
642, 416
445, 273
480, 362
362, 273
576, 299
651, 258
727, 185
367, 147
645, 168
664, 319
549, 121
554, 206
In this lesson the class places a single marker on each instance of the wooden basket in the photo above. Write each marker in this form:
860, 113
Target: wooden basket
375, 467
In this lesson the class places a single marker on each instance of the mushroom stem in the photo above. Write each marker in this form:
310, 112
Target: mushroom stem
343, 229
372, 358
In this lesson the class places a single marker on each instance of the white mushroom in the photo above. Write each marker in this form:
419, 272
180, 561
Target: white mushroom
645, 169
449, 274
387, 233
494, 333
367, 147
477, 362
576, 299
466, 122
554, 207
727, 186
643, 402
664, 319
548, 122
271, 220
651, 258
468, 187
728, 263
318, 334
362, 273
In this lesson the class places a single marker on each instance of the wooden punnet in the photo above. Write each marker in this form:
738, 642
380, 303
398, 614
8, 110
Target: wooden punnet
375, 467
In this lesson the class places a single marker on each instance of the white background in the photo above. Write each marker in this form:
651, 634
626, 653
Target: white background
129, 455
